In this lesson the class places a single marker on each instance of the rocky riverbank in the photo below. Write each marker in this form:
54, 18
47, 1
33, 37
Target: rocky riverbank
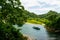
52, 29
28, 37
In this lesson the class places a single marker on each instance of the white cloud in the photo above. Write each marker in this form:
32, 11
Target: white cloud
41, 10
29, 2
52, 2
41, 6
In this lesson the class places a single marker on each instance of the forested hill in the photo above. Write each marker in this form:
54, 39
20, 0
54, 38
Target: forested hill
50, 13
54, 21
30, 14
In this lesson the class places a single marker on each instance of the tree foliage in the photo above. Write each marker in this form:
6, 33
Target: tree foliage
54, 20
11, 13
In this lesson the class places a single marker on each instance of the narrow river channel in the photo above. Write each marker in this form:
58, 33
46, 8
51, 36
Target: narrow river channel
41, 34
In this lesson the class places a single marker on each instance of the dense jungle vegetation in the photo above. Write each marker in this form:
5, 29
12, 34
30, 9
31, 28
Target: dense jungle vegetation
12, 12
54, 21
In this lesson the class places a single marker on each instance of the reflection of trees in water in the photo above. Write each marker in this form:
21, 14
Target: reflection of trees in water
54, 36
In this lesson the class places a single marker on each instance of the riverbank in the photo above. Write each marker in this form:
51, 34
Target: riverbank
28, 37
52, 30
35, 23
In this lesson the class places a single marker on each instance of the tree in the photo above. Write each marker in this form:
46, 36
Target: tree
54, 20
11, 13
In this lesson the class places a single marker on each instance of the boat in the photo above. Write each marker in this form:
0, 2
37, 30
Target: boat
37, 28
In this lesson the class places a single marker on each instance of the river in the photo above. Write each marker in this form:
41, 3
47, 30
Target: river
41, 34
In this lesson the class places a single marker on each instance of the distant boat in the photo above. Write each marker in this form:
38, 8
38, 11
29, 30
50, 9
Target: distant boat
37, 28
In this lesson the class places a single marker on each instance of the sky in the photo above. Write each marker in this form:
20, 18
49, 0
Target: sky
41, 6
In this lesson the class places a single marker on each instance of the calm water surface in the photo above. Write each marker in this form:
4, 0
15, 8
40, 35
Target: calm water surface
41, 34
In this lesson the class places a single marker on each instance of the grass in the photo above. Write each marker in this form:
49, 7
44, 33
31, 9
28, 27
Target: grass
34, 22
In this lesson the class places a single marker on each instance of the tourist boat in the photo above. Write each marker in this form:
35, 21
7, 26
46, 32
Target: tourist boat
37, 28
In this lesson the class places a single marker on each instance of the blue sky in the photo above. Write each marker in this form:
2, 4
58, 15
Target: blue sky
41, 6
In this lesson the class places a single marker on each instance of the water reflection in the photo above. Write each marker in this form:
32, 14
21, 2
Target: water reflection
54, 36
